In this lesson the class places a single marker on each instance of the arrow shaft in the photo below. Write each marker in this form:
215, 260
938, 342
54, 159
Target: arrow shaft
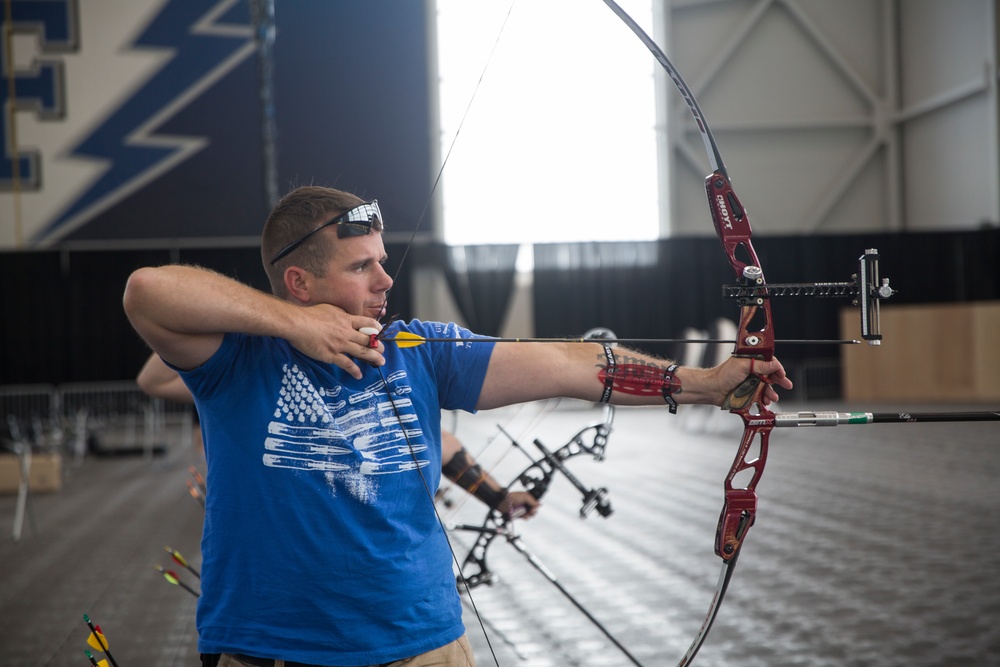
188, 589
622, 340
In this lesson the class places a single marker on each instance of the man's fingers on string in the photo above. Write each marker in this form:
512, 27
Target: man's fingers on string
374, 355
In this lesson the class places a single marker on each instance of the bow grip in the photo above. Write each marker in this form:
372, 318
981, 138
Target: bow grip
744, 394
738, 514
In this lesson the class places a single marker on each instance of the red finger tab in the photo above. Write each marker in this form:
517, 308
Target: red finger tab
373, 336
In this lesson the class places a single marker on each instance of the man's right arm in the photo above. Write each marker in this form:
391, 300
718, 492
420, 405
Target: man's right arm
182, 312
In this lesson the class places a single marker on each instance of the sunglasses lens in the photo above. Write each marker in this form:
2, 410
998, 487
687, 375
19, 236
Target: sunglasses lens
358, 221
345, 229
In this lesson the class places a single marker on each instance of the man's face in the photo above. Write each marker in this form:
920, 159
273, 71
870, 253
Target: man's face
355, 278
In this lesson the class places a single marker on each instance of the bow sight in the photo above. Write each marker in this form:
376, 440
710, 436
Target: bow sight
865, 288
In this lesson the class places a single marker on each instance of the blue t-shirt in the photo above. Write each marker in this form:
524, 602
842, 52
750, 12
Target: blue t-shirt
320, 542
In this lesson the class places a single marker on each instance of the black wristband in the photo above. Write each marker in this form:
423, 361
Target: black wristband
609, 378
671, 384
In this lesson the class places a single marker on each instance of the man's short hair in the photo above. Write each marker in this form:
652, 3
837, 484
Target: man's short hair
295, 215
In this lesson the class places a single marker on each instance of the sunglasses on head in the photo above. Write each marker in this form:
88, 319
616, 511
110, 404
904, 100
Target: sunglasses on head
355, 222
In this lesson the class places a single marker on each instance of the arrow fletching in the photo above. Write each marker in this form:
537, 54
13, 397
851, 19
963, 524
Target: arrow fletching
407, 339
180, 560
176, 555
195, 493
198, 479
168, 575
97, 640
172, 578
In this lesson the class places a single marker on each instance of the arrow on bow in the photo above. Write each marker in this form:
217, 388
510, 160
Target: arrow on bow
408, 339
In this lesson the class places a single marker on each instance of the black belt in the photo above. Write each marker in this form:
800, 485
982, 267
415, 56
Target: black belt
269, 662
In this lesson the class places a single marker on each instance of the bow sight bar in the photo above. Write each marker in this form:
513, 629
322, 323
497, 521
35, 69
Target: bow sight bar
865, 287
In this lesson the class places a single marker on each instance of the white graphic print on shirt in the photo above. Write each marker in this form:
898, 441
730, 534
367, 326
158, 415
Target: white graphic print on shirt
315, 429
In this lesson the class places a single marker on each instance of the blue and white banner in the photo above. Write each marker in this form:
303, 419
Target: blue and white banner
101, 90
139, 122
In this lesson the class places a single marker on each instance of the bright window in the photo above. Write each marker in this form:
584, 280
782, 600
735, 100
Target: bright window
559, 142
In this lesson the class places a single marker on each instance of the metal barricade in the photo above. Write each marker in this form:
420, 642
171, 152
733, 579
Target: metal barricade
118, 417
36, 405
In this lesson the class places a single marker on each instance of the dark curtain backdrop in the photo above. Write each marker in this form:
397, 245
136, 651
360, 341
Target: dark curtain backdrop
481, 280
62, 311
62, 319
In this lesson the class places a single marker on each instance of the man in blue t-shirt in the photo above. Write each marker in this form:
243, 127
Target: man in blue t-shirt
157, 379
321, 545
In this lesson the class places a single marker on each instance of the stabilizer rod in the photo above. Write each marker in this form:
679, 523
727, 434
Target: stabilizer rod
830, 418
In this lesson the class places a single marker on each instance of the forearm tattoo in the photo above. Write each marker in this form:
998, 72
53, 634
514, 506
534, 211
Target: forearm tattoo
469, 475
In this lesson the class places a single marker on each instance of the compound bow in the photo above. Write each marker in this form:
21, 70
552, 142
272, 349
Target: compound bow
536, 479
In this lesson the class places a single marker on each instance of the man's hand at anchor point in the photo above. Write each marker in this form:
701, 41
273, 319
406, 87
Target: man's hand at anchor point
330, 334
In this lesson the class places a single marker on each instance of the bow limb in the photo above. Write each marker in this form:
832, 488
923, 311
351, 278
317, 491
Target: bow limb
474, 569
740, 507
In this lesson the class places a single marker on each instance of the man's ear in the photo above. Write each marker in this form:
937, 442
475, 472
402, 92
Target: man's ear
298, 283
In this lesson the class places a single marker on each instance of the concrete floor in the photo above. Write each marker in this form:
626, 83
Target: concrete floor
873, 546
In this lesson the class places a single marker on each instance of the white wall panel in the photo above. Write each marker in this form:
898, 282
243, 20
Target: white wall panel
848, 116
947, 102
